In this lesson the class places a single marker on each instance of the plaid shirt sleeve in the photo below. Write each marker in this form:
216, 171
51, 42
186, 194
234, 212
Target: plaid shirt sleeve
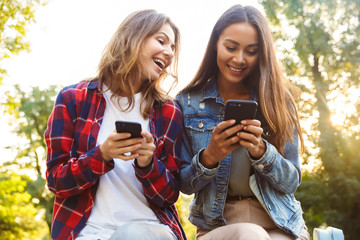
160, 179
74, 163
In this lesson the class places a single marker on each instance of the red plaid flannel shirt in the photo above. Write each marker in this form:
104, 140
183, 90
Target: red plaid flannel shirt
75, 164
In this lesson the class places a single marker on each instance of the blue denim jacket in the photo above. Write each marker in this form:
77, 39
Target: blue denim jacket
275, 177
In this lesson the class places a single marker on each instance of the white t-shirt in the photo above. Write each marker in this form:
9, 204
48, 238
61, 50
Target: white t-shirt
120, 197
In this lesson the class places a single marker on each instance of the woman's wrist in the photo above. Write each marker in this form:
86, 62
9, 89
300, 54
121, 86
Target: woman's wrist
260, 153
104, 156
206, 159
142, 165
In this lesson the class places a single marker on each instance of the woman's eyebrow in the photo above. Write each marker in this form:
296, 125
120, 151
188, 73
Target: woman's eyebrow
232, 41
236, 43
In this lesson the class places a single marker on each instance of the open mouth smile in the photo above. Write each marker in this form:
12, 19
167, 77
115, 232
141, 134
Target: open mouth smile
236, 69
160, 63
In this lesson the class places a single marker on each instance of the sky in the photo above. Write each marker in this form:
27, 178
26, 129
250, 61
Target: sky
69, 36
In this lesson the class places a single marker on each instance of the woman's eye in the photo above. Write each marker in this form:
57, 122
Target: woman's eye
161, 41
252, 51
230, 49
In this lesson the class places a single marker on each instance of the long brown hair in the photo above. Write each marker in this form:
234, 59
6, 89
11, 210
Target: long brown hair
120, 64
275, 92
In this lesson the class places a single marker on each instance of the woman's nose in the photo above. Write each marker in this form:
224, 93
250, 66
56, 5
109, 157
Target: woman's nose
169, 52
239, 57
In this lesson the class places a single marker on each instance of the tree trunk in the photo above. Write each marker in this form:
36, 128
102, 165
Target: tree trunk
329, 153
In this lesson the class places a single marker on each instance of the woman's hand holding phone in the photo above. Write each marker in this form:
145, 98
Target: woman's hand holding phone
220, 144
251, 138
146, 151
117, 145
239, 128
244, 112
129, 138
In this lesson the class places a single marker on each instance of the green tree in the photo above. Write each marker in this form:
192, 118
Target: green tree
319, 44
28, 112
17, 212
15, 15
182, 206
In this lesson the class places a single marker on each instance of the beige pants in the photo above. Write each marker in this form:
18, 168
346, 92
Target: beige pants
247, 220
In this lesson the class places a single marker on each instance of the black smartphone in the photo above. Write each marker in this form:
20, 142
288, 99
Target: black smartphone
240, 110
134, 128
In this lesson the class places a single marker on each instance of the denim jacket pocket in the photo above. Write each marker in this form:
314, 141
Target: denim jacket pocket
199, 127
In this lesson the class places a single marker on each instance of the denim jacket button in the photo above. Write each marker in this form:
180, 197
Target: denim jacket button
260, 167
219, 195
201, 124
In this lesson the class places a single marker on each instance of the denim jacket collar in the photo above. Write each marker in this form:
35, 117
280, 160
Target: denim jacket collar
211, 91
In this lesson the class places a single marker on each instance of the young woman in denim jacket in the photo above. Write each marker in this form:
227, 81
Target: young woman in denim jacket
244, 186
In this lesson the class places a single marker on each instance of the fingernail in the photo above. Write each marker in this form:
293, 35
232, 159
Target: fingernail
243, 122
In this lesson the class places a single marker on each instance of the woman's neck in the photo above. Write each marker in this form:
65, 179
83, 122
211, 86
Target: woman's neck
238, 91
137, 85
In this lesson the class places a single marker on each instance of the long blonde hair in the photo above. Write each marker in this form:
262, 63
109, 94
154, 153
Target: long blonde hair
275, 92
120, 62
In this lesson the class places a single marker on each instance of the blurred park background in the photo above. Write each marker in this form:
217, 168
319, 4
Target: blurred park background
47, 44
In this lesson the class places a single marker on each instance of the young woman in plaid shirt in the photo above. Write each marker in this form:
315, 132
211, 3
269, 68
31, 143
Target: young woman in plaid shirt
107, 185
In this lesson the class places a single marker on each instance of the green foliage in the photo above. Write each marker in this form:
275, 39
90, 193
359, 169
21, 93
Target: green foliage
319, 43
15, 15
333, 198
17, 211
182, 205
324, 30
28, 112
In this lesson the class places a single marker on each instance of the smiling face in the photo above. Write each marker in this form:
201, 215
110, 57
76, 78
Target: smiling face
157, 52
237, 53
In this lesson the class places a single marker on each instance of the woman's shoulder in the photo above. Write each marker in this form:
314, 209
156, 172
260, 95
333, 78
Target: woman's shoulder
78, 90
184, 97
171, 107
168, 114
91, 84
